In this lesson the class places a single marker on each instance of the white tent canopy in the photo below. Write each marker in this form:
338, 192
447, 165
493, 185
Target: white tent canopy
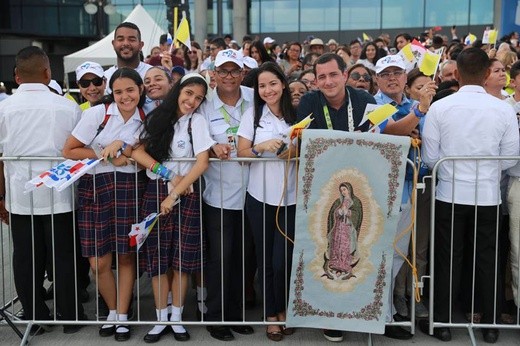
102, 51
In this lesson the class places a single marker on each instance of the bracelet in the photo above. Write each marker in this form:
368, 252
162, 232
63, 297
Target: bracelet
418, 113
123, 147
256, 153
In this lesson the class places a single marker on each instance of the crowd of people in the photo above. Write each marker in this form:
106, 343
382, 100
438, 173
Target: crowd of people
223, 100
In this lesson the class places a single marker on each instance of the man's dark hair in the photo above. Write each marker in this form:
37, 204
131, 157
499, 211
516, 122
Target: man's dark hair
228, 36
447, 85
515, 70
246, 38
30, 62
472, 66
129, 26
219, 42
325, 58
354, 42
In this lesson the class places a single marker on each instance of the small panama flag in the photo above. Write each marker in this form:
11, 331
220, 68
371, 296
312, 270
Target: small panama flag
141, 230
62, 175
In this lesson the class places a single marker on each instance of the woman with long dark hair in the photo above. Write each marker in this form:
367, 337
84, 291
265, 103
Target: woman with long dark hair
259, 53
174, 130
260, 135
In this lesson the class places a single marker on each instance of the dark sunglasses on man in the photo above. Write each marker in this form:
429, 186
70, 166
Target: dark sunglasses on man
357, 76
85, 83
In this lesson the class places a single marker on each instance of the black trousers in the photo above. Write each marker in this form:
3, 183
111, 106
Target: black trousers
463, 219
273, 251
225, 232
29, 270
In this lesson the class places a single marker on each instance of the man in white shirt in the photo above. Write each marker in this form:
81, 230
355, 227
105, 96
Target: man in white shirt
224, 196
127, 45
36, 122
468, 123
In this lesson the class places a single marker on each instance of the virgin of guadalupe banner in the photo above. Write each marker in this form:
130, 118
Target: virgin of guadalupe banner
349, 195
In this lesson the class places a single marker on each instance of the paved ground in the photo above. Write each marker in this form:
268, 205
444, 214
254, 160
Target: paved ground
88, 335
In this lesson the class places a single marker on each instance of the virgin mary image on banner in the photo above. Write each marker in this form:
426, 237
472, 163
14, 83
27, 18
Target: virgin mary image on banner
343, 226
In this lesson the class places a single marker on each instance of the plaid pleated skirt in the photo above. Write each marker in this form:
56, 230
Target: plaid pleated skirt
175, 241
108, 206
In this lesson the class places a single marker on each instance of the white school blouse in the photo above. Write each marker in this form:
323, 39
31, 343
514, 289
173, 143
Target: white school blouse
266, 179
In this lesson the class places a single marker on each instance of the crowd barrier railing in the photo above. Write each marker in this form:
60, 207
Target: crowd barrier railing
142, 301
465, 309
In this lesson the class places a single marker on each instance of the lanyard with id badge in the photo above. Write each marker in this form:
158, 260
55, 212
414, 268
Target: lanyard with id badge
231, 132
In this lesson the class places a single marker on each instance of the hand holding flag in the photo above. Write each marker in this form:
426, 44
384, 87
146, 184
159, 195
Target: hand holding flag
141, 230
377, 116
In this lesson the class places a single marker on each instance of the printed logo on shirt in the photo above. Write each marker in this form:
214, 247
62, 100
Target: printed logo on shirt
181, 144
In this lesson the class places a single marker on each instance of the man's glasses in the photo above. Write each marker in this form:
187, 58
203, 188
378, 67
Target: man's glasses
388, 75
357, 76
85, 83
224, 73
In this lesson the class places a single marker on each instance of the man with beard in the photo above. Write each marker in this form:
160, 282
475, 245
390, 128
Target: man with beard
127, 45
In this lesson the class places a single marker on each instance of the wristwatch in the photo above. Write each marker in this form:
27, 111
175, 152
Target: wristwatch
256, 153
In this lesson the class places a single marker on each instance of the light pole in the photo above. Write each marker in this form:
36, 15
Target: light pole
92, 8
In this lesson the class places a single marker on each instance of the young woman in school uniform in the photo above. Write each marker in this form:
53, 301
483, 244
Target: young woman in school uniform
260, 136
174, 130
157, 84
109, 193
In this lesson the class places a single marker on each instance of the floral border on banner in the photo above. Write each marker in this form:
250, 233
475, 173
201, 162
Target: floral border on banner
367, 313
389, 151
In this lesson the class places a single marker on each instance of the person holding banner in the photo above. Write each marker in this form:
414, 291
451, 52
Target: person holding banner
36, 122
174, 130
108, 194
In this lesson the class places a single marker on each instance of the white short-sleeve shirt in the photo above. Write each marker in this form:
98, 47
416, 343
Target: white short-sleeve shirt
35, 122
226, 182
115, 129
181, 147
266, 179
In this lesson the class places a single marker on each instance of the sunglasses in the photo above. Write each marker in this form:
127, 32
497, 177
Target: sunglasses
85, 83
357, 76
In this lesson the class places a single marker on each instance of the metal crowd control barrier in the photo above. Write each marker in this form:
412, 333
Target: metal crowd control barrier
143, 304
457, 310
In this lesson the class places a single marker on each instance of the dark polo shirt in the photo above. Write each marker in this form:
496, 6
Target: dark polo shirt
313, 102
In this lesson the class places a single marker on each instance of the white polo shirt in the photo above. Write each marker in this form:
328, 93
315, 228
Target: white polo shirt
470, 123
181, 146
115, 129
266, 179
142, 68
35, 122
226, 182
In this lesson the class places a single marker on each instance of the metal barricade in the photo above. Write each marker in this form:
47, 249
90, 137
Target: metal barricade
143, 303
466, 293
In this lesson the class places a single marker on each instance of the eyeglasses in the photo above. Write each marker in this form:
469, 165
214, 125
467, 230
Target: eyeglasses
388, 75
357, 76
191, 52
224, 73
85, 83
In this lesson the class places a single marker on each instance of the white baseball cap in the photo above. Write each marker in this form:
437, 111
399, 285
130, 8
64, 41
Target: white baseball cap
388, 61
89, 67
229, 55
268, 40
250, 62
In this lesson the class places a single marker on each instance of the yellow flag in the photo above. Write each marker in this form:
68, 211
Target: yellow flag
366, 37
429, 63
407, 53
183, 33
379, 114
493, 36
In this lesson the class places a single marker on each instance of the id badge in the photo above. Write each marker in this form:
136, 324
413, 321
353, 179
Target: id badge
232, 137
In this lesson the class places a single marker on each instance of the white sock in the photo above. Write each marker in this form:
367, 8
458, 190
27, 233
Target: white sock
176, 317
112, 314
119, 328
202, 293
170, 300
162, 315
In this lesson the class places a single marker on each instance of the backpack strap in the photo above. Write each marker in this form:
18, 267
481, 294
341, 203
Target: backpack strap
105, 121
